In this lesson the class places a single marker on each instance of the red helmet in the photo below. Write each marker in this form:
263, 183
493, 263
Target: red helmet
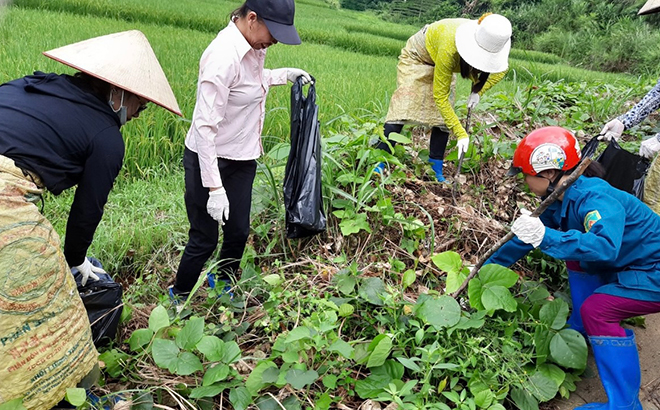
546, 148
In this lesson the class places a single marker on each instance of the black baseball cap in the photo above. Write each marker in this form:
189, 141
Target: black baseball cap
278, 16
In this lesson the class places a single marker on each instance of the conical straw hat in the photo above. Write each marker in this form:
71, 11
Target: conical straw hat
651, 6
125, 60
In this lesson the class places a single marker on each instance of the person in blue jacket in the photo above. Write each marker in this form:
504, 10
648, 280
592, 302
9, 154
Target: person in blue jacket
611, 235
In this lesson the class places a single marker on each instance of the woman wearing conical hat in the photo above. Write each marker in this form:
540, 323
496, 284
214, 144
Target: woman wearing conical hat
57, 132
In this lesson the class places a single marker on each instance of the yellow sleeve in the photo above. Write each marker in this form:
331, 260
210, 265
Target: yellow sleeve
492, 80
441, 45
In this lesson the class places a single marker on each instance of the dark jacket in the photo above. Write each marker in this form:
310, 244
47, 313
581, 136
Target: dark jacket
51, 125
608, 231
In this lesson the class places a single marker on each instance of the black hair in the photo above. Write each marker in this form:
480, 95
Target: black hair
469, 72
101, 89
595, 169
239, 12
242, 12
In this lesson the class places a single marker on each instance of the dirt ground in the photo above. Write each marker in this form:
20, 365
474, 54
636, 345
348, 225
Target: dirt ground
648, 343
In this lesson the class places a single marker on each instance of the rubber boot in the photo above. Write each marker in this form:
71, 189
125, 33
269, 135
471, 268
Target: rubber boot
437, 164
618, 367
582, 286
223, 281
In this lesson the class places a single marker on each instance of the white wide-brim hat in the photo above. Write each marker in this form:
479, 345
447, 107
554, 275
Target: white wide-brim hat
651, 6
485, 43
125, 60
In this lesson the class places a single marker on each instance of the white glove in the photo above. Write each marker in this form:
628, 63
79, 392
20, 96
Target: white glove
218, 205
88, 271
649, 147
292, 75
462, 145
473, 100
529, 229
612, 129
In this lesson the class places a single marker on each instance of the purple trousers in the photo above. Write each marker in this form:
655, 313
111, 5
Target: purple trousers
602, 313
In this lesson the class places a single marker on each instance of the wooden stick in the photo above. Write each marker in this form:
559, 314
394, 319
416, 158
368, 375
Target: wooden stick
538, 211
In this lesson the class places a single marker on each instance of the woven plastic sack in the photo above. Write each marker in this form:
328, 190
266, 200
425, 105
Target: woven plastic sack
45, 338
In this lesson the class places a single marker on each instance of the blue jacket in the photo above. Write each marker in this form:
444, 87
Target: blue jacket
51, 125
608, 231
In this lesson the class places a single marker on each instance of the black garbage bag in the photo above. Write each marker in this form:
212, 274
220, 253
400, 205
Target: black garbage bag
102, 300
303, 199
623, 169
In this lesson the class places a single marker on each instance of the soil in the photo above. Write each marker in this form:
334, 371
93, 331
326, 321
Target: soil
591, 390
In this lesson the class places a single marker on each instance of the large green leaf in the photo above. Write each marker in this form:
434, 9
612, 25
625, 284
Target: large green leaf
484, 398
542, 386
114, 361
381, 352
341, 347
475, 289
400, 138
542, 342
410, 363
212, 347
240, 398
158, 319
523, 399
492, 275
298, 333
187, 363
166, 354
206, 391
140, 338
76, 396
553, 372
454, 281
16, 404
301, 378
345, 282
449, 262
408, 278
569, 349
214, 374
440, 312
371, 290
354, 225
232, 353
498, 297
554, 314
371, 386
191, 334
255, 381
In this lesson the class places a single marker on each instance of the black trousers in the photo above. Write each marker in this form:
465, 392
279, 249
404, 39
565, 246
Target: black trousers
437, 143
237, 179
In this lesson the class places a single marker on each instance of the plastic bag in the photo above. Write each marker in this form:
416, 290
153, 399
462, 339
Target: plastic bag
303, 199
623, 169
102, 300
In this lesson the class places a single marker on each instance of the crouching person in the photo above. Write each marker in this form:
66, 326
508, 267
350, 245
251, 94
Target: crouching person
613, 240
56, 132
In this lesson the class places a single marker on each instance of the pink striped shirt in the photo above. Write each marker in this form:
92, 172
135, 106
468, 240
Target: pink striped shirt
231, 100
